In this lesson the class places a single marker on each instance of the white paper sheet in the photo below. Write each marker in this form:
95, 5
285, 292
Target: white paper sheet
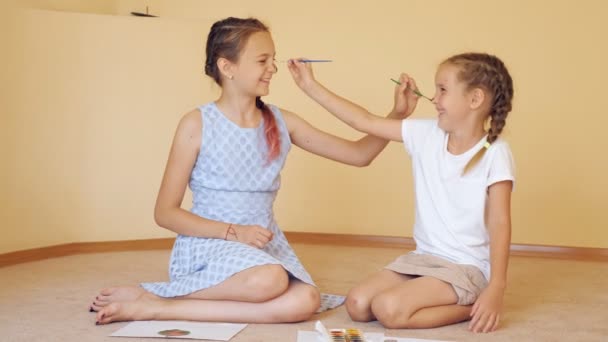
180, 329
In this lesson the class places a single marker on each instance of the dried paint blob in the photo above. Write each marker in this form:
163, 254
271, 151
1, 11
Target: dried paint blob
174, 332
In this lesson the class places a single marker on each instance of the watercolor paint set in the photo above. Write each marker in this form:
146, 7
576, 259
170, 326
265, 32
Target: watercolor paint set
321, 334
339, 335
346, 335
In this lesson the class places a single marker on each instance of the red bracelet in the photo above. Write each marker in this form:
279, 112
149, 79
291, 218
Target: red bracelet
227, 231
231, 231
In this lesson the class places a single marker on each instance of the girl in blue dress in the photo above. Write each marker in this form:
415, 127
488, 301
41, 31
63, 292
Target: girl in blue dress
230, 261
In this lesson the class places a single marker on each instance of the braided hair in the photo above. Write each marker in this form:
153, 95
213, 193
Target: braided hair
488, 72
226, 39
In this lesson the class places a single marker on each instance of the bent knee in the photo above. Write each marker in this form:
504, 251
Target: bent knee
302, 306
390, 313
358, 306
268, 282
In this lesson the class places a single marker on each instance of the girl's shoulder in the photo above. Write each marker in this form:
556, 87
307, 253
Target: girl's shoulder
207, 111
420, 131
418, 124
207, 107
277, 111
283, 114
191, 120
500, 145
427, 122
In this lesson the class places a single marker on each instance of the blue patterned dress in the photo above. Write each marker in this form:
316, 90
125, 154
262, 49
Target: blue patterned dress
233, 182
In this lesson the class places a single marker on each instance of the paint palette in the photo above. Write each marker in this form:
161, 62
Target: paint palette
339, 335
346, 335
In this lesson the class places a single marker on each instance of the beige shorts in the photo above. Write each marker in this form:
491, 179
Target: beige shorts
467, 280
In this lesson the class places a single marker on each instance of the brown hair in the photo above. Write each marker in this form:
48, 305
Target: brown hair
226, 39
488, 72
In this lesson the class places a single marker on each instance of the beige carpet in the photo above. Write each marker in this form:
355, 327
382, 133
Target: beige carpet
547, 299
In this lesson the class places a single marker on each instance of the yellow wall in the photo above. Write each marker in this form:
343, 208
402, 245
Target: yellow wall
77, 6
90, 103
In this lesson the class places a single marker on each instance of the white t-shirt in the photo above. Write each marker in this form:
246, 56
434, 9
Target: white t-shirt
449, 206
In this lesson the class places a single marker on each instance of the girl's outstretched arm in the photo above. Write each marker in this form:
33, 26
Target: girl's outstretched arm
350, 113
486, 310
357, 153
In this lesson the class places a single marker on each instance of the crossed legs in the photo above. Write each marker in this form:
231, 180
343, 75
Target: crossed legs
261, 294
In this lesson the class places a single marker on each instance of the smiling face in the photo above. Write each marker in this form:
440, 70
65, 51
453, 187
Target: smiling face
240, 55
255, 66
452, 98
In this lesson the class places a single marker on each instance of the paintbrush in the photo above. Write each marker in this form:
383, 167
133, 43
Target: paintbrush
304, 60
416, 91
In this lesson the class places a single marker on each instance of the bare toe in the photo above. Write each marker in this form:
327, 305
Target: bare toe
108, 314
119, 294
144, 308
98, 305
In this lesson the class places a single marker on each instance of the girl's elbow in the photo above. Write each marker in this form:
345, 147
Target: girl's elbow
359, 159
360, 154
160, 217
364, 162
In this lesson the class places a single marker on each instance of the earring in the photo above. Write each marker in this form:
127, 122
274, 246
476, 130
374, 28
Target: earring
231, 76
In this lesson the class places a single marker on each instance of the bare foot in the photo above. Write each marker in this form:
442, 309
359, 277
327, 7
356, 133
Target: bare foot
111, 295
144, 308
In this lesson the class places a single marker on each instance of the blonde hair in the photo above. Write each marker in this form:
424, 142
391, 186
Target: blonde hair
488, 72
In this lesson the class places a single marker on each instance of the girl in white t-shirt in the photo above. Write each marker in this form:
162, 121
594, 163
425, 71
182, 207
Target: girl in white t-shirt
463, 177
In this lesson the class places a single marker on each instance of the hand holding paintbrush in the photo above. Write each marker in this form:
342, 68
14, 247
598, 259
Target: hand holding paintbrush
301, 71
406, 96
415, 90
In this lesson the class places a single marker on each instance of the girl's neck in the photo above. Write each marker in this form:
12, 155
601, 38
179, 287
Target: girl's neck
461, 141
240, 110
